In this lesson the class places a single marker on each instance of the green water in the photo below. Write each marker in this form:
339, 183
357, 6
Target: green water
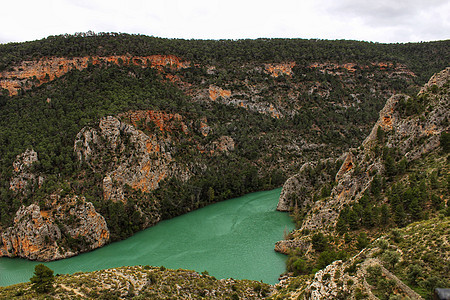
234, 238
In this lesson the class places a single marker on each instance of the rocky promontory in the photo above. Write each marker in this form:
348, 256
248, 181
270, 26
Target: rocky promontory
409, 127
66, 226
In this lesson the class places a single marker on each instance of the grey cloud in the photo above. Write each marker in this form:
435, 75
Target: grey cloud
383, 12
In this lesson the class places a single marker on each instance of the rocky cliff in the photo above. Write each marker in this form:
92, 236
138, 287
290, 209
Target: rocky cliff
410, 127
298, 190
133, 153
247, 91
23, 177
401, 168
63, 227
142, 168
35, 73
214, 121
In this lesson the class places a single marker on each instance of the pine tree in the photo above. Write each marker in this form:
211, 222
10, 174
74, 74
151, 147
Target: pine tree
42, 281
385, 215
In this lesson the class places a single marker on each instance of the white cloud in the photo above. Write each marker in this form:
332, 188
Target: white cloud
374, 20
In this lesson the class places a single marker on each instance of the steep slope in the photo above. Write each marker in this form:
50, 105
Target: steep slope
146, 129
399, 175
60, 228
36, 72
407, 263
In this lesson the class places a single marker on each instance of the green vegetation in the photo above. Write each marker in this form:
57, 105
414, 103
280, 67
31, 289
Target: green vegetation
47, 118
141, 282
42, 281
415, 195
397, 227
417, 254
445, 141
325, 108
422, 58
80, 99
325, 252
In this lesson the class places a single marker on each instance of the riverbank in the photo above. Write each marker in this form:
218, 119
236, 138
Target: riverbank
233, 238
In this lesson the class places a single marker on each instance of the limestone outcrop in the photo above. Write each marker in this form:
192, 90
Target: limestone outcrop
337, 69
216, 92
276, 70
228, 97
45, 233
412, 135
297, 190
23, 177
140, 160
34, 73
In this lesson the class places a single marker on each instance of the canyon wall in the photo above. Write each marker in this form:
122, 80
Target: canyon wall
35, 73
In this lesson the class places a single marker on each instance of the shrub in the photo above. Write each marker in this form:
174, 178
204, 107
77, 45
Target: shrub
445, 141
298, 266
327, 257
373, 274
396, 235
319, 242
391, 257
413, 274
362, 241
382, 244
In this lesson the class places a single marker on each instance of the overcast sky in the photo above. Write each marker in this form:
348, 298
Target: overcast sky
386, 21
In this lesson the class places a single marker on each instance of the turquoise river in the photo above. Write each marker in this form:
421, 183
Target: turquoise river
234, 238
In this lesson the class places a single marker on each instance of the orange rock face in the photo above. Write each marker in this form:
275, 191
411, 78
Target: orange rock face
346, 166
216, 92
349, 67
149, 134
330, 67
276, 70
352, 67
166, 122
36, 234
204, 128
387, 122
35, 73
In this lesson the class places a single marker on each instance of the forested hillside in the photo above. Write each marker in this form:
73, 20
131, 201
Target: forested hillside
147, 128
391, 191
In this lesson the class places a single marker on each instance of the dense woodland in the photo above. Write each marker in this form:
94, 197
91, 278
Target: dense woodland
400, 200
422, 58
265, 154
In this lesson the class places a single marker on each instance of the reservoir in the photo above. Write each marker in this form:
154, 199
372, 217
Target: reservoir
231, 239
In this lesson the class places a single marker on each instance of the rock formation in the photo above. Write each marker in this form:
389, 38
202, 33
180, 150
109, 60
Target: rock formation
35, 73
297, 190
333, 68
216, 92
276, 70
411, 135
22, 175
140, 160
370, 274
43, 233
